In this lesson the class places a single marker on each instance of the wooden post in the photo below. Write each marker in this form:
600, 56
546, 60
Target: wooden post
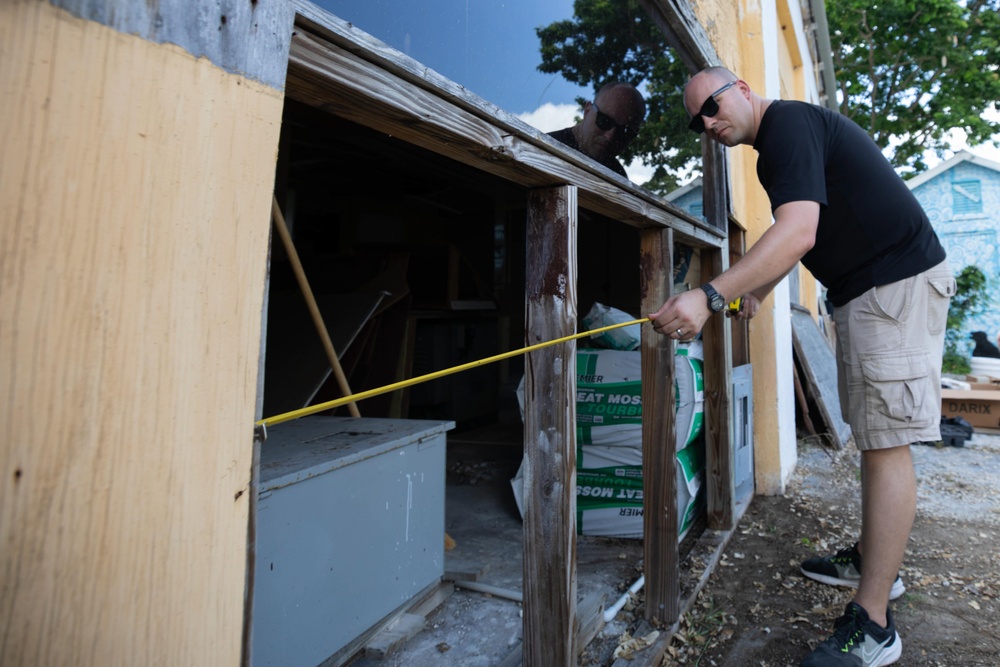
659, 481
307, 294
246, 657
549, 431
720, 470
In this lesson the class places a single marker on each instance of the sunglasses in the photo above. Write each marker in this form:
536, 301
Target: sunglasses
605, 122
709, 108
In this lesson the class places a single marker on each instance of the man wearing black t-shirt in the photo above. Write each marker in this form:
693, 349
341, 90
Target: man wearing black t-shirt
609, 124
841, 210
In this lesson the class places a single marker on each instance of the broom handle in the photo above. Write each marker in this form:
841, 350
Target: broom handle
300, 275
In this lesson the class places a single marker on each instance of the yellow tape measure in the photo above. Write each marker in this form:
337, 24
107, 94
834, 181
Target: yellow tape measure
329, 405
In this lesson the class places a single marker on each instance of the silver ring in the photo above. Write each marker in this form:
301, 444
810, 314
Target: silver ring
679, 332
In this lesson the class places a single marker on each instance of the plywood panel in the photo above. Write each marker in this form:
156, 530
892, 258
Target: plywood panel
134, 215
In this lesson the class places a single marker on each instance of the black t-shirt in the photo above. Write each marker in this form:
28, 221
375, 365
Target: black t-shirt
566, 136
872, 230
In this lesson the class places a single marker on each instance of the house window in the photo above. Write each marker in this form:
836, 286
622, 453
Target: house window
966, 197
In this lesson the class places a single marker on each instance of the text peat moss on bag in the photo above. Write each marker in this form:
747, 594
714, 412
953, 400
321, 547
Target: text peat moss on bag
609, 497
609, 398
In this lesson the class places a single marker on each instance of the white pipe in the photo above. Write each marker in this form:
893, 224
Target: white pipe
516, 596
612, 611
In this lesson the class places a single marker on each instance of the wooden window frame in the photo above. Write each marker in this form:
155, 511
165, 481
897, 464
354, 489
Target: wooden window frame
344, 71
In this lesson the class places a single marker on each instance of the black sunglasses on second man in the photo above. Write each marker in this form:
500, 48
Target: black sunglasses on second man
605, 122
709, 108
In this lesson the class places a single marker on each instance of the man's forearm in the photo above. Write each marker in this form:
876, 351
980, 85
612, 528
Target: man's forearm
762, 292
774, 255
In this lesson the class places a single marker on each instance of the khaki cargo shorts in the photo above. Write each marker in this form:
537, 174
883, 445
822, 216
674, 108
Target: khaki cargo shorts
890, 341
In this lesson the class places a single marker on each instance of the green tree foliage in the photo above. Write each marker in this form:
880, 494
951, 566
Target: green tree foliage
909, 71
971, 296
610, 40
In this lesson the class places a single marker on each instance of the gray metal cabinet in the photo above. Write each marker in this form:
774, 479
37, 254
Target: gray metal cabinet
350, 526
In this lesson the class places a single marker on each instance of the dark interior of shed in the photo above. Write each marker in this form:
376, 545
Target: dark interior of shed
417, 265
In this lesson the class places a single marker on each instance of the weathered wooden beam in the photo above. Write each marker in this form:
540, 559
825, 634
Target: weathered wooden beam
391, 638
423, 603
686, 34
659, 481
720, 455
340, 69
246, 641
590, 619
683, 31
740, 328
550, 430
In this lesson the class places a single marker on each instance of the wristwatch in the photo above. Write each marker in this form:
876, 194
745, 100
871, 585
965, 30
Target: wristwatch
715, 301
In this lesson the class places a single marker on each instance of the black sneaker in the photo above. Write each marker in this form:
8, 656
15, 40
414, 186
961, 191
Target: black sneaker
857, 641
843, 569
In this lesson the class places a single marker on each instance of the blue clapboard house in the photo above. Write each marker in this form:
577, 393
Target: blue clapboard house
688, 198
962, 200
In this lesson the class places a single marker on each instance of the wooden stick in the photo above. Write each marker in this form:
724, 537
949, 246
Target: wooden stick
300, 275
800, 397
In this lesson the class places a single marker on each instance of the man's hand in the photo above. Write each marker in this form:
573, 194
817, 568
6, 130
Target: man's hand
682, 316
748, 309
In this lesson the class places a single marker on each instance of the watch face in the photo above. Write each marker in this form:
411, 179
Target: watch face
715, 301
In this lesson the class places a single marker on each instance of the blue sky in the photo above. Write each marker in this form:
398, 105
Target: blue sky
488, 46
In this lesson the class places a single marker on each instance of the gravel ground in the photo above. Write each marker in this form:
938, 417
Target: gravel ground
757, 609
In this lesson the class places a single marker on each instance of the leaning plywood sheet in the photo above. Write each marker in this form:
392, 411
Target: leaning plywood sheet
814, 353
